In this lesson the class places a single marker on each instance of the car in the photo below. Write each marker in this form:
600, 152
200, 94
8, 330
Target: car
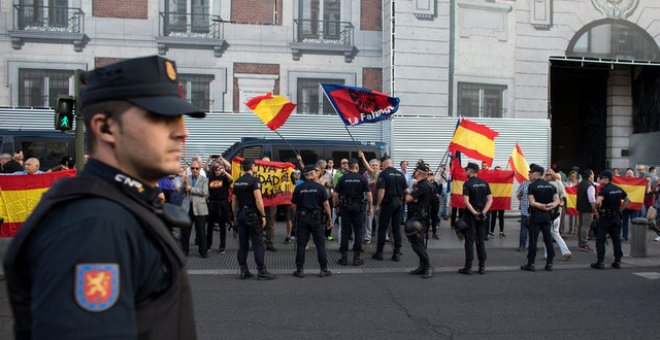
49, 147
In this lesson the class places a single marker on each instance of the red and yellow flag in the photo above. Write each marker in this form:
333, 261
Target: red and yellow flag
474, 140
500, 182
275, 179
634, 187
19, 195
519, 164
272, 110
571, 201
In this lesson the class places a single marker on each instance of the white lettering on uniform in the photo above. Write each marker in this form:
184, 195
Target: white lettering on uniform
128, 181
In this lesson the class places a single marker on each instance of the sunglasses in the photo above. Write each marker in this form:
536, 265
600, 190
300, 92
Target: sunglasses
194, 168
344, 162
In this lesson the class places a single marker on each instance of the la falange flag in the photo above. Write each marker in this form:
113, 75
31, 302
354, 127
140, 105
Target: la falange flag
519, 164
357, 105
20, 194
500, 182
272, 110
475, 141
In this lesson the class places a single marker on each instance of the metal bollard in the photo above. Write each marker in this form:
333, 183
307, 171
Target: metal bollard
638, 237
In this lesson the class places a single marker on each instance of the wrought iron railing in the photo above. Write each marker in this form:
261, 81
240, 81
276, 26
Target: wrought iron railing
48, 18
190, 25
323, 32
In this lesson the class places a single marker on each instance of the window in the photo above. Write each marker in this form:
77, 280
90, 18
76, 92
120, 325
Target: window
311, 98
252, 152
197, 89
320, 21
40, 87
40, 14
188, 16
613, 39
480, 100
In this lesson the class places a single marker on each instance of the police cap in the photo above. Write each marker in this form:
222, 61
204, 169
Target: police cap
150, 83
605, 174
422, 167
537, 168
472, 166
309, 168
384, 158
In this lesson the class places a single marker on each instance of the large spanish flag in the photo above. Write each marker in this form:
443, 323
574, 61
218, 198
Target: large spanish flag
571, 200
275, 178
519, 164
500, 182
474, 140
19, 195
634, 187
272, 110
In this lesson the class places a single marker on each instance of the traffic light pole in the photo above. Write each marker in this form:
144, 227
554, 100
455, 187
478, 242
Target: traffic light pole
80, 123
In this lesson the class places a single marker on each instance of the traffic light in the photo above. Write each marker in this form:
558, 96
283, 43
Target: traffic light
64, 113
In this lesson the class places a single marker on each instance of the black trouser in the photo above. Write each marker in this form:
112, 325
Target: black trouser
454, 213
352, 221
218, 212
475, 234
417, 241
435, 218
249, 229
305, 226
271, 219
496, 215
534, 229
200, 224
610, 226
390, 212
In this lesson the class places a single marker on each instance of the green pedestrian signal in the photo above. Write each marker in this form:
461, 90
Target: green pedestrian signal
64, 113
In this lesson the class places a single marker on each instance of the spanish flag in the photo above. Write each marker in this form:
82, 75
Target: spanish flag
474, 140
571, 200
519, 164
500, 182
634, 187
275, 179
19, 195
272, 110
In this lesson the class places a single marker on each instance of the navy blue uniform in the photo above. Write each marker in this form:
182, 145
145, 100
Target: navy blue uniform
352, 188
540, 220
477, 191
249, 221
609, 221
394, 183
308, 198
418, 210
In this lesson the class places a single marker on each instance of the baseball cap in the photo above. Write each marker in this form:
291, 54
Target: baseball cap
149, 82
605, 174
537, 168
473, 166
309, 168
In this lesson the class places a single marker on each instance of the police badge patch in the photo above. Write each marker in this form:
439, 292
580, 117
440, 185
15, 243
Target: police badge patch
97, 286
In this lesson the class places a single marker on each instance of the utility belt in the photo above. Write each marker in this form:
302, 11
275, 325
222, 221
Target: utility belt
393, 200
247, 210
352, 204
533, 210
311, 213
609, 213
418, 214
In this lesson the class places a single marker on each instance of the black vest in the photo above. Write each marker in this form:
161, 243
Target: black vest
583, 204
168, 316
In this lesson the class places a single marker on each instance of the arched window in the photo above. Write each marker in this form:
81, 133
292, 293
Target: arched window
613, 39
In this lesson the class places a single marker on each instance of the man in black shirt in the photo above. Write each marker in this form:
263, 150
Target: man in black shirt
391, 185
609, 219
478, 199
417, 223
219, 182
543, 198
352, 196
309, 203
248, 208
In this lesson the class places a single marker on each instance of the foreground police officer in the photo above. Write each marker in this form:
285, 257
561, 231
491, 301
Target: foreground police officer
417, 223
309, 202
95, 260
352, 196
248, 208
391, 186
543, 198
478, 199
609, 219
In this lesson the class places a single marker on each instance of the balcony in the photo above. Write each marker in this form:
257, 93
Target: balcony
48, 24
188, 30
323, 37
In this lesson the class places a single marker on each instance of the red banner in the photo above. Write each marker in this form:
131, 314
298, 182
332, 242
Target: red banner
275, 178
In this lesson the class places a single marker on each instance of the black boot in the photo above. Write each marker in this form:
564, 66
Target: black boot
528, 267
325, 272
299, 273
377, 256
428, 272
343, 260
357, 260
418, 271
465, 270
245, 273
598, 265
265, 274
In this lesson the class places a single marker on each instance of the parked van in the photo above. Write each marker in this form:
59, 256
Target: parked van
49, 147
310, 150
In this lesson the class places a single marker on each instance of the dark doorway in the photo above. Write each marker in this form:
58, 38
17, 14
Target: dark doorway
578, 106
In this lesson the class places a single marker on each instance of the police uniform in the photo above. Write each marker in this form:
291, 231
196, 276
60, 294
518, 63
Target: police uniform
308, 198
248, 220
477, 190
417, 223
352, 188
391, 209
609, 222
540, 221
95, 259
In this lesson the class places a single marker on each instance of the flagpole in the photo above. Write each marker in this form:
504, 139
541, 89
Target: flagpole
287, 142
444, 157
349, 133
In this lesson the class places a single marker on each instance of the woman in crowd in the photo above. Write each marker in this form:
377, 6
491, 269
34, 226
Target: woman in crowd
555, 180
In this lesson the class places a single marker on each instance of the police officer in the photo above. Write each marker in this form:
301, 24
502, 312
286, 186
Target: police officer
543, 198
352, 196
609, 219
478, 199
309, 202
417, 223
248, 208
391, 186
95, 259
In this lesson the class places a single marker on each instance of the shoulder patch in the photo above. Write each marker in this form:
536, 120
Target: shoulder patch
97, 286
